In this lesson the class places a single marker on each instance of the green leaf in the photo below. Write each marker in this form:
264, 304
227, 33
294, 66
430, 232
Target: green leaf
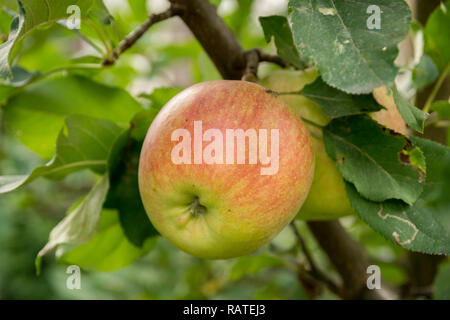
425, 72
142, 121
124, 186
437, 33
109, 249
437, 158
413, 116
425, 226
336, 103
125, 197
36, 115
139, 9
373, 158
87, 145
81, 224
442, 108
250, 265
19, 78
33, 14
160, 96
349, 55
417, 159
277, 27
417, 228
5, 21
442, 284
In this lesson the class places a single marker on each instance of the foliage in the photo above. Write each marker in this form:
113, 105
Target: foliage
82, 119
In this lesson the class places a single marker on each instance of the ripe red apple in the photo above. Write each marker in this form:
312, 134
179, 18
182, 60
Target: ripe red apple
327, 197
214, 195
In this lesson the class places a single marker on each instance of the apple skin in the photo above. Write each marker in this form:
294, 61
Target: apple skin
327, 197
242, 209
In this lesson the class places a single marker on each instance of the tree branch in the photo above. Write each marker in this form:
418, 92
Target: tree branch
422, 270
264, 57
215, 36
136, 34
252, 59
349, 259
315, 272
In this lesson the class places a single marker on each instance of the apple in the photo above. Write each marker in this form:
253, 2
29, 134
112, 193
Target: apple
225, 166
327, 197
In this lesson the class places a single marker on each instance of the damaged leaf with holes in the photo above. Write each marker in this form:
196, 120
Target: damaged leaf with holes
375, 159
424, 226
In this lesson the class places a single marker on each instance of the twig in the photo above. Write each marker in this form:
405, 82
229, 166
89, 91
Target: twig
136, 34
264, 57
314, 270
251, 69
252, 59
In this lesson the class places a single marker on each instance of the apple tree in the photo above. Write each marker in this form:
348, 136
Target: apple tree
82, 81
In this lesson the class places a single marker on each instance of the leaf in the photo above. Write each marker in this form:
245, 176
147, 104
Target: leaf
36, 115
81, 224
109, 249
425, 72
98, 27
437, 33
250, 265
442, 284
442, 108
373, 158
160, 96
139, 9
277, 27
124, 180
418, 228
5, 21
33, 14
413, 116
425, 226
336, 103
125, 197
142, 121
349, 55
19, 78
87, 145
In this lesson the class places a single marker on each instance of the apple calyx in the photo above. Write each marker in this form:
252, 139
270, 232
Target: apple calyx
197, 208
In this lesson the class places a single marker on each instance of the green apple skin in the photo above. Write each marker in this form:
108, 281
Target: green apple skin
327, 197
222, 211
